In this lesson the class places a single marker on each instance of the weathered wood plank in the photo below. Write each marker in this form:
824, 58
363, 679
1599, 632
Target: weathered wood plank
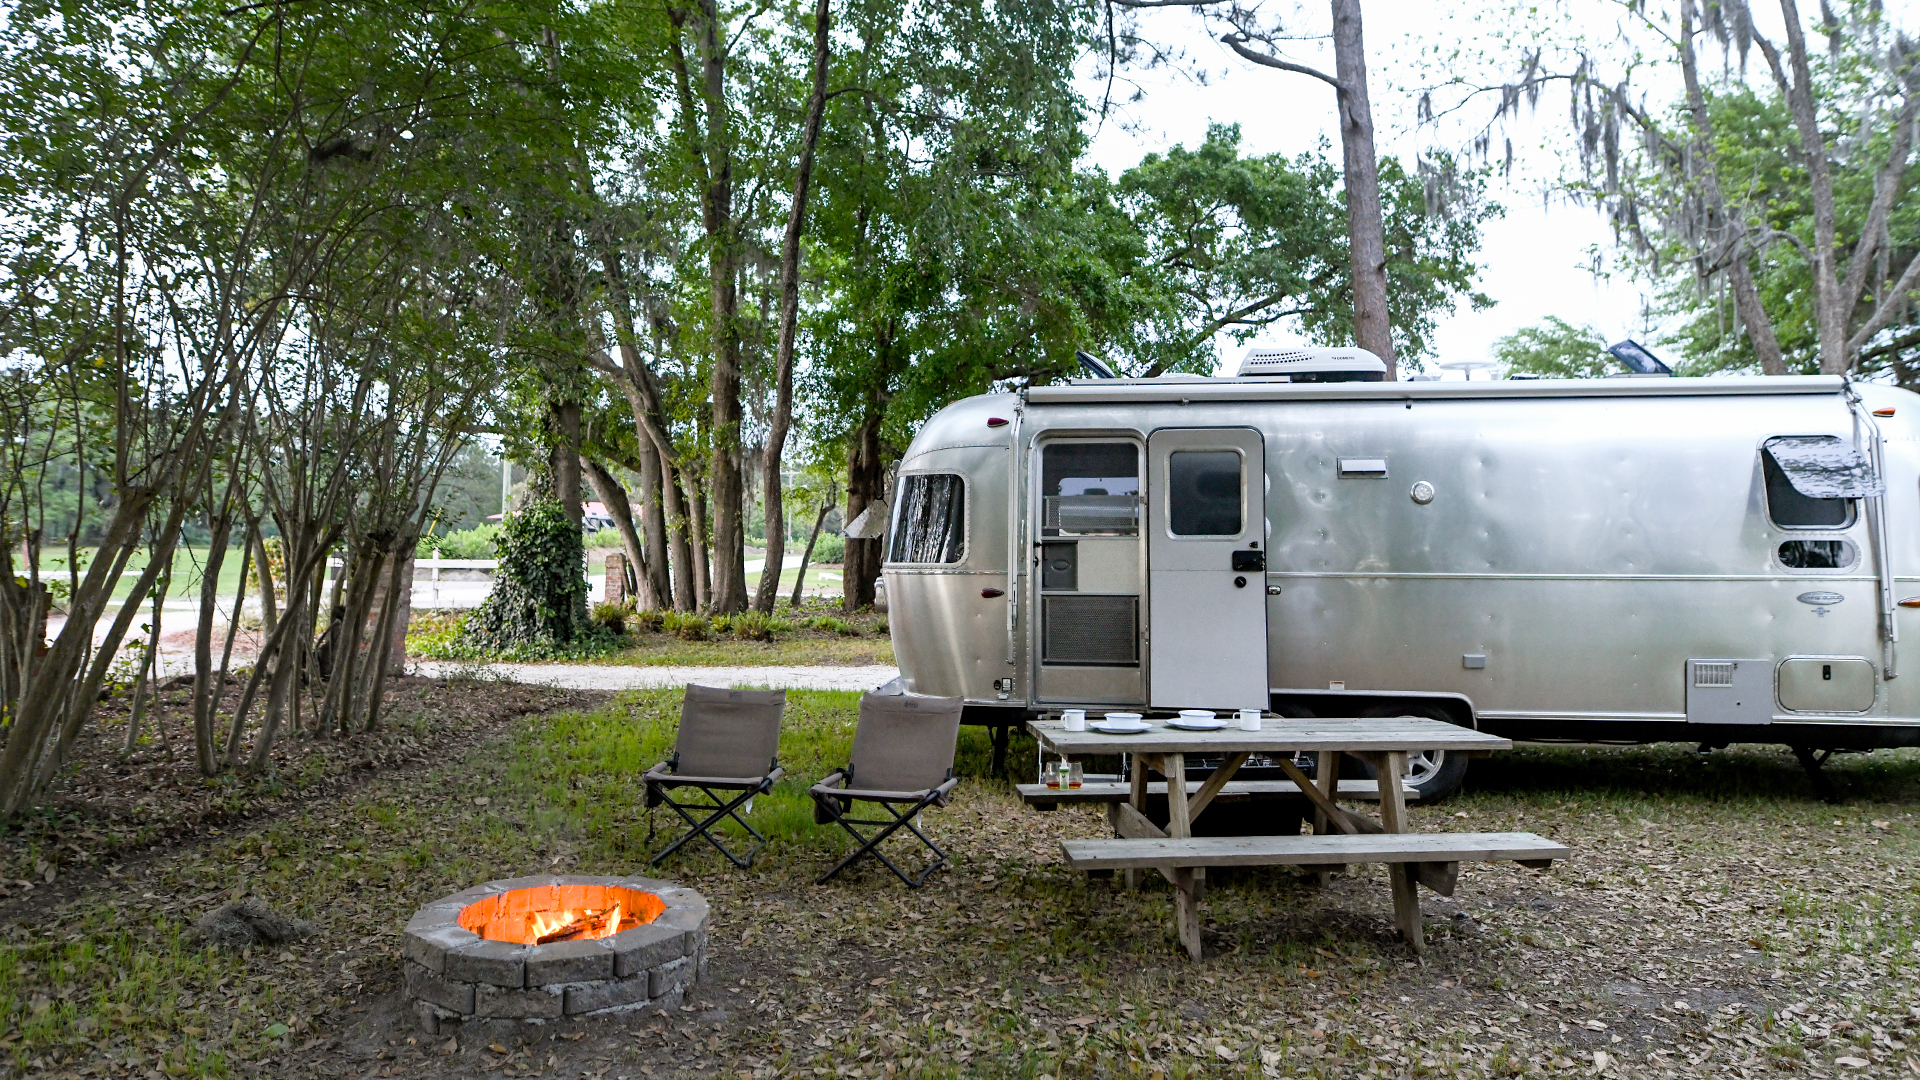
1197, 802
1277, 736
1154, 853
1103, 791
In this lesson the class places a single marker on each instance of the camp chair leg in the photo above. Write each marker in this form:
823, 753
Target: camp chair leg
721, 811
872, 845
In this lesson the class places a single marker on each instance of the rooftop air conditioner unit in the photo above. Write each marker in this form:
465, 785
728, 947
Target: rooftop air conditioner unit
1313, 365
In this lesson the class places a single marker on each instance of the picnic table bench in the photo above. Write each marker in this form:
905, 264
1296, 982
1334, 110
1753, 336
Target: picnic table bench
1340, 837
1098, 792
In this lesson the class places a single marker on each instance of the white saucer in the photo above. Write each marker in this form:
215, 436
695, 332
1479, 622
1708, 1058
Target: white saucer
1186, 724
1114, 729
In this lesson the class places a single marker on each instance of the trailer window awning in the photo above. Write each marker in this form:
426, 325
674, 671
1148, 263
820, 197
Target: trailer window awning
1824, 467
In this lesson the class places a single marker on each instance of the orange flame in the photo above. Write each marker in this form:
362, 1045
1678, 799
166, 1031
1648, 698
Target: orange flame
563, 913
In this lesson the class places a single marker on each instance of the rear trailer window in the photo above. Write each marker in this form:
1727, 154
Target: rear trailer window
1812, 481
1203, 493
931, 523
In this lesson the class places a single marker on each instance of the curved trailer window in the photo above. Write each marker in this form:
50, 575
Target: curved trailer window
931, 524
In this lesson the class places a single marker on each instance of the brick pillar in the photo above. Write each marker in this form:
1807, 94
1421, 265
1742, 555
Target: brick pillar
616, 590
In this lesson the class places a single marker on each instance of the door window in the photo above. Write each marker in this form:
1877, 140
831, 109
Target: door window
932, 522
1090, 489
1204, 493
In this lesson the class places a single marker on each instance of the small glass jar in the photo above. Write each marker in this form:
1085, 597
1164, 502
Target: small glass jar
1054, 775
1075, 775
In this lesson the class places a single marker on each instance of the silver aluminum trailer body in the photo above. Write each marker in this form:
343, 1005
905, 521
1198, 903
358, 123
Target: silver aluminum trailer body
1594, 559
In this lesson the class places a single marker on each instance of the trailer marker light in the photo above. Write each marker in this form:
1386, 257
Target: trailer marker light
995, 421
1911, 601
1883, 412
988, 594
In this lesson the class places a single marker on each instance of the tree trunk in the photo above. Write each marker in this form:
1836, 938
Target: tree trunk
563, 457
866, 474
812, 538
204, 692
700, 542
776, 528
607, 487
1829, 310
653, 528
1365, 231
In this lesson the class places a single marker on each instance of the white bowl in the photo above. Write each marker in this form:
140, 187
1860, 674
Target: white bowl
1196, 714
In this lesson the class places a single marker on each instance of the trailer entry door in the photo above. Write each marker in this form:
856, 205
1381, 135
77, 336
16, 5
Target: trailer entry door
1206, 562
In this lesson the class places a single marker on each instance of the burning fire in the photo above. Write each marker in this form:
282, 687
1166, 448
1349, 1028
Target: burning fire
545, 914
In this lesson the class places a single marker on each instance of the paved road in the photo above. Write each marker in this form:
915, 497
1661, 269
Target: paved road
620, 677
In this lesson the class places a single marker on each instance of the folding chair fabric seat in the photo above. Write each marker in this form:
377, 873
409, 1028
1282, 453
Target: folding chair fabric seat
903, 751
729, 741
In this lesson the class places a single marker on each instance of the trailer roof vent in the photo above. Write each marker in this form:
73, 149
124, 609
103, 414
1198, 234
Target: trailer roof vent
1313, 365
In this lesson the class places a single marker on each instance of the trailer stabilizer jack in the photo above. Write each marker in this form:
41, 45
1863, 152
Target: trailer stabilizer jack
1814, 761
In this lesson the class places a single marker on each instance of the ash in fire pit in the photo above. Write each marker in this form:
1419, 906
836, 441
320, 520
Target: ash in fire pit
540, 948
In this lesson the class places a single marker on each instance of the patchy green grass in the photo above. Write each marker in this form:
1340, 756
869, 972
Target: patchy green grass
1715, 920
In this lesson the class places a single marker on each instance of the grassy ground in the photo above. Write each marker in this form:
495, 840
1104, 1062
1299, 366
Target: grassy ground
188, 564
816, 633
1715, 920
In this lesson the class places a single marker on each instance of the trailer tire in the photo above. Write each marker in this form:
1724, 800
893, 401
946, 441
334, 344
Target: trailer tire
1433, 775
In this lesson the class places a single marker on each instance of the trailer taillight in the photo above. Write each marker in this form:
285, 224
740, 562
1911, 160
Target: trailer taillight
1883, 412
996, 421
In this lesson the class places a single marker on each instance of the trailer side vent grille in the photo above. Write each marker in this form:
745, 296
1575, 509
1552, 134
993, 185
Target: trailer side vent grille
1103, 630
1713, 673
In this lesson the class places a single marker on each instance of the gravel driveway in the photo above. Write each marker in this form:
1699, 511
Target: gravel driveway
620, 677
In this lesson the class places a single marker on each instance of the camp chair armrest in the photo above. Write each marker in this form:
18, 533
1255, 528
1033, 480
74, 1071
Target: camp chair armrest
940, 793
740, 783
830, 783
772, 778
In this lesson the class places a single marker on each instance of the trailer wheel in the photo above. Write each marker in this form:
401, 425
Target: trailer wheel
1432, 775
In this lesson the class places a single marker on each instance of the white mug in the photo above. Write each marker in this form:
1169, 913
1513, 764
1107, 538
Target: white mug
1074, 719
1247, 720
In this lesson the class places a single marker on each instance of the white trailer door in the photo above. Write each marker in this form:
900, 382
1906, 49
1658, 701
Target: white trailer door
1206, 563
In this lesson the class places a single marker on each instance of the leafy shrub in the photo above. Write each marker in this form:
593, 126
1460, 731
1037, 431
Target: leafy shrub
538, 606
603, 538
686, 625
433, 634
612, 616
644, 621
832, 623
479, 542
881, 626
830, 548
722, 624
753, 626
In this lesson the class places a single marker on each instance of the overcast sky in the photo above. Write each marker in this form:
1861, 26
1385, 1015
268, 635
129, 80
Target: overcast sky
1533, 260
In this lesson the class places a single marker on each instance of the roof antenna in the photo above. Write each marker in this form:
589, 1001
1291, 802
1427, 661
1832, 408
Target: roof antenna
1095, 367
1638, 359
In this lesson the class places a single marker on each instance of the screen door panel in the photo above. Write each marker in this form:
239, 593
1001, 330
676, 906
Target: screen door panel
1207, 621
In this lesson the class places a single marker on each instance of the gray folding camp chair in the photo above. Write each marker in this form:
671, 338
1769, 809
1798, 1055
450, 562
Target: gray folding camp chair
727, 750
903, 763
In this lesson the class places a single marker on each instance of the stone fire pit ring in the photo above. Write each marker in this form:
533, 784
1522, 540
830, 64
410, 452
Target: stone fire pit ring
455, 975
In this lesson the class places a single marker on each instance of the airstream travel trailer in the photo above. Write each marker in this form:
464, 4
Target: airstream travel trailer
1639, 559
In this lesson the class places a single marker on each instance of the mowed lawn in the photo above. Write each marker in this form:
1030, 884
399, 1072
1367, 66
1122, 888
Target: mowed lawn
1715, 920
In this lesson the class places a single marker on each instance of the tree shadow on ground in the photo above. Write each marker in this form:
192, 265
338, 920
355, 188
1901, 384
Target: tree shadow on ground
1670, 770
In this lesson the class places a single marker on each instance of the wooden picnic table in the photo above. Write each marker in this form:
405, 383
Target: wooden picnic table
1384, 743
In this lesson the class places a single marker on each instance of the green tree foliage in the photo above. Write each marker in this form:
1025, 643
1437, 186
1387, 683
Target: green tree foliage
538, 606
1237, 244
1555, 349
1758, 158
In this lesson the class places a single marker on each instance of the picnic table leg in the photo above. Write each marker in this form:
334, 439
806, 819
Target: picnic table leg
1326, 777
1390, 767
1138, 798
1187, 884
